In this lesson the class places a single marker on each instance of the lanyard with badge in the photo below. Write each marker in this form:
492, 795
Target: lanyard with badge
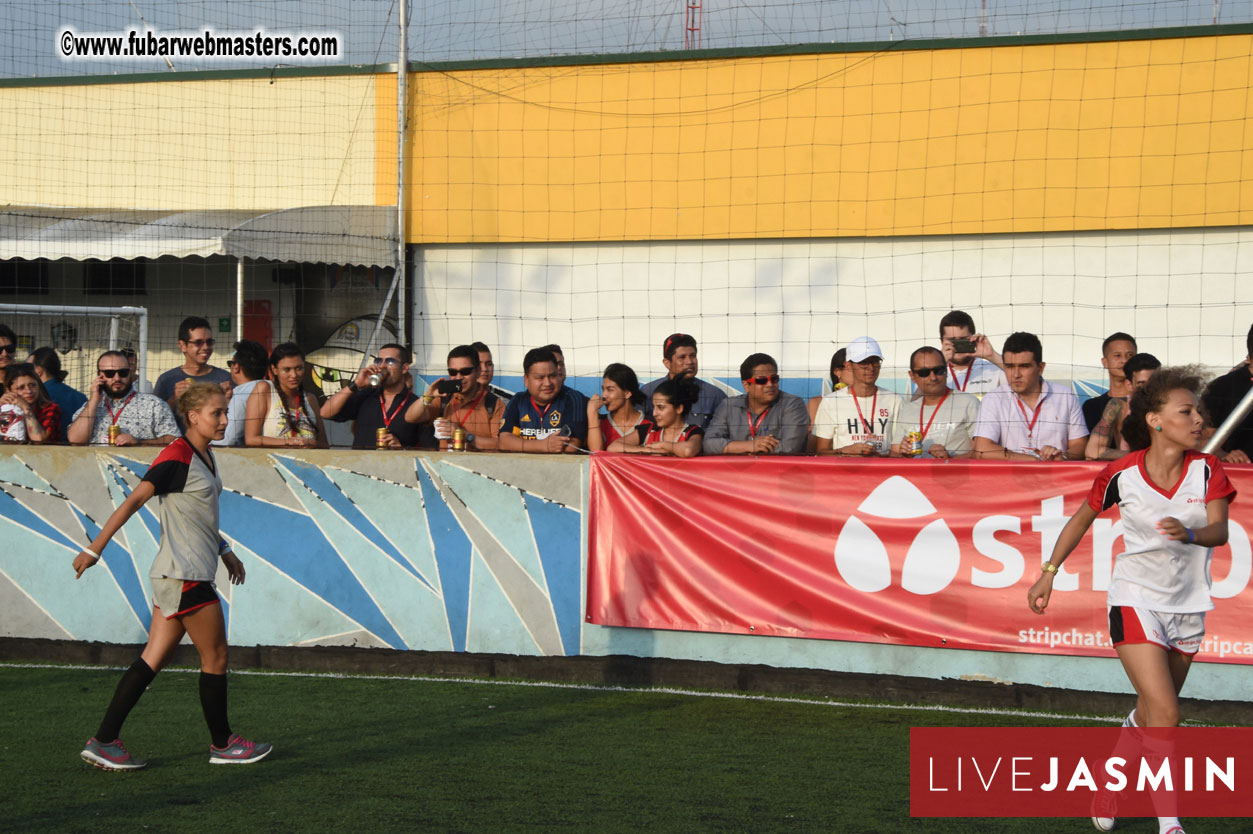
961, 386
1035, 415
753, 427
399, 401
118, 415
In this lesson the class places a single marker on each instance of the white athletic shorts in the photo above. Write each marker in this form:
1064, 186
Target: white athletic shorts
1181, 633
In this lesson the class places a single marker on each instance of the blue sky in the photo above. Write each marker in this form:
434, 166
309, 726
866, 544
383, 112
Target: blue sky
468, 29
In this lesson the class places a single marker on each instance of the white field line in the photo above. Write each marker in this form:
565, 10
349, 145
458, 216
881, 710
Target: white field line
660, 690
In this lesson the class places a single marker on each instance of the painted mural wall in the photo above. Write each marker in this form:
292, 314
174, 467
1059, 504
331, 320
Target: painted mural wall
443, 553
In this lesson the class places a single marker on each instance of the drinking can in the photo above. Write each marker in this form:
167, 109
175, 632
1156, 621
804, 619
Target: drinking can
913, 441
381, 439
114, 431
459, 440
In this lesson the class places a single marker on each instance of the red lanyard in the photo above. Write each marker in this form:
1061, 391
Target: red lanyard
922, 409
125, 402
1035, 415
292, 417
399, 401
874, 409
761, 418
961, 386
461, 421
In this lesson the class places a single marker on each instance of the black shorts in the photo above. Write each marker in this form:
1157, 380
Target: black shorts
193, 596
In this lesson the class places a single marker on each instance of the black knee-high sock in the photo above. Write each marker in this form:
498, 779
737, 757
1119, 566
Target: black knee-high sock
133, 683
213, 702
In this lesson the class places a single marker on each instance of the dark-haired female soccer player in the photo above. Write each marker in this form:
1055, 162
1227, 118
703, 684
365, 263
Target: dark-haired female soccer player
621, 396
669, 433
185, 477
1173, 501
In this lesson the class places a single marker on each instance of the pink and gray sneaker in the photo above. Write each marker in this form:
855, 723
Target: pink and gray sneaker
239, 750
111, 756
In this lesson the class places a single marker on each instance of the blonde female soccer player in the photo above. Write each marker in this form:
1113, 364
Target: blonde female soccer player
1173, 501
185, 477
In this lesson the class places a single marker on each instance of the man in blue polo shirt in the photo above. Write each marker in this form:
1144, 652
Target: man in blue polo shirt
549, 418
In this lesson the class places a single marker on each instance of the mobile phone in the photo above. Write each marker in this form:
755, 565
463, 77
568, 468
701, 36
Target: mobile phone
449, 386
963, 346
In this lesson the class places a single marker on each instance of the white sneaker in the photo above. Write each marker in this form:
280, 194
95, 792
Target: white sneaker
1104, 808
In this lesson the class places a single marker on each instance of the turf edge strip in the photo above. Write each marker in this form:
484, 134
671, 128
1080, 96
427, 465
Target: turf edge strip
660, 690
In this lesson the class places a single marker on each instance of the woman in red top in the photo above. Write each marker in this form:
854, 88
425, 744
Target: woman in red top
621, 396
672, 434
25, 393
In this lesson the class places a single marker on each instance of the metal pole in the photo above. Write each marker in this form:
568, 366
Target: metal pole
402, 72
1234, 419
142, 358
113, 333
239, 299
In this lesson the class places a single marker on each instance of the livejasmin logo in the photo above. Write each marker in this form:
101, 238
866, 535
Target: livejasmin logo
934, 556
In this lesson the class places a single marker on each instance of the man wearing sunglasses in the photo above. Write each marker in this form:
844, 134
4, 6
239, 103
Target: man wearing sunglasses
143, 419
857, 421
763, 420
473, 407
945, 418
390, 405
8, 347
195, 340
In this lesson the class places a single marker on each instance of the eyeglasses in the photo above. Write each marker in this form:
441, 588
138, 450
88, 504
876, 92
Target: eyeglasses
10, 348
120, 373
231, 363
201, 342
762, 380
391, 360
923, 373
462, 371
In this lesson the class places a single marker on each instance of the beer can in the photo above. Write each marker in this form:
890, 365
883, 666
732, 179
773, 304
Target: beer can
375, 380
913, 441
459, 440
381, 442
114, 431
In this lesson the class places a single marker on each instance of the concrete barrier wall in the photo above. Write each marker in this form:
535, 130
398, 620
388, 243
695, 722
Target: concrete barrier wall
466, 553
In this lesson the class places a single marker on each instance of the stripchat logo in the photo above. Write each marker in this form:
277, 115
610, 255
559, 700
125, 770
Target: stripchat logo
933, 557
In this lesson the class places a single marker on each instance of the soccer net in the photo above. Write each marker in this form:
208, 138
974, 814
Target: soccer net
79, 335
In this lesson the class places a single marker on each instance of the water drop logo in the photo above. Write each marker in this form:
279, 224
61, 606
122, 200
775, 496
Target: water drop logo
932, 560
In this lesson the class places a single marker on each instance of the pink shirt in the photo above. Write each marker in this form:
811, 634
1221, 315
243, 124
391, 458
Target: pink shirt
1005, 419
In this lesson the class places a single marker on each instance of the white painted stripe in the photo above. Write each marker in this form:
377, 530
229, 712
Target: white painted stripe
655, 690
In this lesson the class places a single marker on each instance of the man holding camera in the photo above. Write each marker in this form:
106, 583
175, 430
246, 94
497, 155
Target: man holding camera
471, 405
386, 412
973, 366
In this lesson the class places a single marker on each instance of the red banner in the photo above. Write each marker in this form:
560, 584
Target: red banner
923, 553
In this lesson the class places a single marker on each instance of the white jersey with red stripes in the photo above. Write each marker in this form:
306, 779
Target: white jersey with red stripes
1155, 572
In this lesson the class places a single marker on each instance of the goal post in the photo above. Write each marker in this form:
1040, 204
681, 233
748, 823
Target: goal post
80, 334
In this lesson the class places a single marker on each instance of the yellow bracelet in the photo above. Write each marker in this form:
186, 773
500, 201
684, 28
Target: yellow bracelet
1049, 567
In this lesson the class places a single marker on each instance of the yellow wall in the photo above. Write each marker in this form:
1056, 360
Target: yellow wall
1115, 135
239, 144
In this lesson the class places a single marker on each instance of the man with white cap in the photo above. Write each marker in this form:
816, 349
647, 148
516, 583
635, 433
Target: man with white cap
858, 420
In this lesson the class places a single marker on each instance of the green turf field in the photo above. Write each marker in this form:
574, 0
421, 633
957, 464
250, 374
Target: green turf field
401, 755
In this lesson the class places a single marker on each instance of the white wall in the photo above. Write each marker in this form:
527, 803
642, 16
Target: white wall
1186, 295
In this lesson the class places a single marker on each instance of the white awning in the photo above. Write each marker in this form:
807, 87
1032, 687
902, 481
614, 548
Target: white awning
357, 235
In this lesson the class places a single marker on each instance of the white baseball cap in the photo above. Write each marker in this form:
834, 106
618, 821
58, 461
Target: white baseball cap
863, 348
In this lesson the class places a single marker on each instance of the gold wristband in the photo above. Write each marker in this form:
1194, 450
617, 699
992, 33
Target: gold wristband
1049, 567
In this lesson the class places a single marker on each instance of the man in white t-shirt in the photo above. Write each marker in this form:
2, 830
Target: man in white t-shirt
858, 420
945, 418
1029, 418
973, 366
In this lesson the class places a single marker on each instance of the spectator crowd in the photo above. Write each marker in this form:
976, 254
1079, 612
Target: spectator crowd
967, 400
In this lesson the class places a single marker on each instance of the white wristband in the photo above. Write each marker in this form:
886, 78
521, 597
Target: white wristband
93, 554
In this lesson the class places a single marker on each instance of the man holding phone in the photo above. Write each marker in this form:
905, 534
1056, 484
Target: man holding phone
973, 366
472, 406
389, 406
142, 419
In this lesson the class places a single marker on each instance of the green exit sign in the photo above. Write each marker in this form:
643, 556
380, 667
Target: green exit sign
224, 325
